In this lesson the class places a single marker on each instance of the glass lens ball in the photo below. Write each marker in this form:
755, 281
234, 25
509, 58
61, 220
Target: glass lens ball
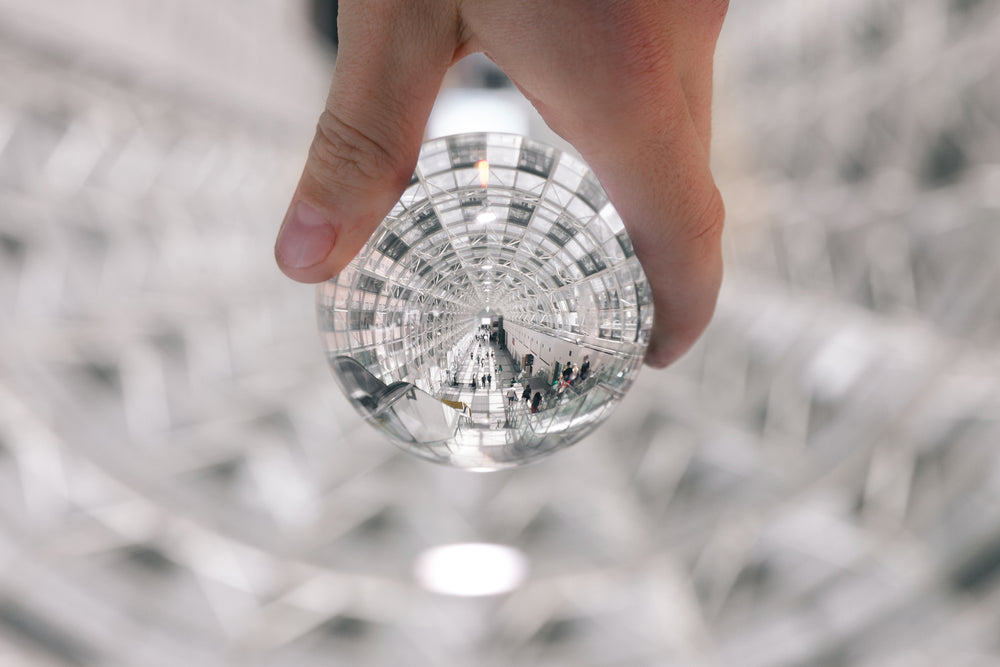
497, 314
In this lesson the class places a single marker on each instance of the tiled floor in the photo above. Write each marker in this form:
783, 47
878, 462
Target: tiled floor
488, 402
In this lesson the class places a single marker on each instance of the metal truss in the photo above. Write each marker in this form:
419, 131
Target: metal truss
814, 484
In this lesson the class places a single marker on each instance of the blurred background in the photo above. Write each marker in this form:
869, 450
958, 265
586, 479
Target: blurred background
816, 483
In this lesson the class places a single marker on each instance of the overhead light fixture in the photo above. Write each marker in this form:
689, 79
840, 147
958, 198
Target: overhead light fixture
471, 569
483, 166
486, 216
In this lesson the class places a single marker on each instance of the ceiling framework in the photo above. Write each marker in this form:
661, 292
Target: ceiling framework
181, 483
490, 223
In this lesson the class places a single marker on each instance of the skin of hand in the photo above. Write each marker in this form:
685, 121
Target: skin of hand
628, 83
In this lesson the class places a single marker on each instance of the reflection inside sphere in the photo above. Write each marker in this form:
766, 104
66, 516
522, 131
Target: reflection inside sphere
498, 313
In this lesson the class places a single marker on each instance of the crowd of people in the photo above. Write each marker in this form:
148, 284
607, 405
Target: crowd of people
569, 376
486, 370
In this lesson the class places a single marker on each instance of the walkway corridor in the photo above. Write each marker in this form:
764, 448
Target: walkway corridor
484, 376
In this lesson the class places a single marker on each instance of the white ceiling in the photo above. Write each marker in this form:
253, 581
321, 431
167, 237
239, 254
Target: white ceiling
816, 483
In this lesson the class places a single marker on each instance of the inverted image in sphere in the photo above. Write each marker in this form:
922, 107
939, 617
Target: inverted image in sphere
497, 314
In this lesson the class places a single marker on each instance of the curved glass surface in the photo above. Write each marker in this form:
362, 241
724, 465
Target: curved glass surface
498, 314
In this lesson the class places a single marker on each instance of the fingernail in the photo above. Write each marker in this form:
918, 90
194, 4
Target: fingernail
305, 239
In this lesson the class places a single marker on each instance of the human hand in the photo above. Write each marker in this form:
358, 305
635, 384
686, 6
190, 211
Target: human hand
629, 84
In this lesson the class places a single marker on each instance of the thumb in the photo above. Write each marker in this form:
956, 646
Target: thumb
389, 67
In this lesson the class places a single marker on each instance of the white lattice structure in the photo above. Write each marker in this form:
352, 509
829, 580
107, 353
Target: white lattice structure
180, 483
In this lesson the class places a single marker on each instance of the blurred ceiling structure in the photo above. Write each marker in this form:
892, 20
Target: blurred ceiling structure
816, 483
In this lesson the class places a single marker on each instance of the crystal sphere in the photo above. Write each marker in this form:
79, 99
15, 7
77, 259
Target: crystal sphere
497, 314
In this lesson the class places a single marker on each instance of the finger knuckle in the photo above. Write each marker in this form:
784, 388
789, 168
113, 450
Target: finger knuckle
349, 156
707, 227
